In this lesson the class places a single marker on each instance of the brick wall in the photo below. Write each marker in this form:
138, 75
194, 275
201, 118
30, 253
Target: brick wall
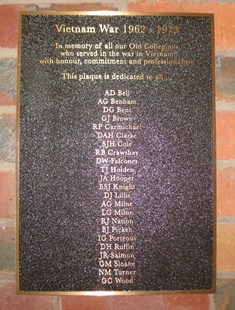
224, 299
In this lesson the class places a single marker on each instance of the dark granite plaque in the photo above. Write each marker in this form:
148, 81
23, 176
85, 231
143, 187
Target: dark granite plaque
116, 185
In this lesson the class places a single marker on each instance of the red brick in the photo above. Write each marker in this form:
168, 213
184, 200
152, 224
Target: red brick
226, 247
187, 302
83, 7
11, 301
161, 302
137, 302
226, 191
224, 16
84, 303
7, 248
6, 99
9, 25
8, 116
7, 194
9, 18
225, 133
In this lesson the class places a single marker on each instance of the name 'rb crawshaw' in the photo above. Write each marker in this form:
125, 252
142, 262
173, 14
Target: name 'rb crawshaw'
115, 191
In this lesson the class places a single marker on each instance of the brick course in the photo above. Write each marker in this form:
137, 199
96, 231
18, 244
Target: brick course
225, 133
7, 194
224, 16
226, 191
9, 25
226, 247
11, 301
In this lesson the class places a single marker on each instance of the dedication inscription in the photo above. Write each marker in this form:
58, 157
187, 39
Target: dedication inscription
115, 153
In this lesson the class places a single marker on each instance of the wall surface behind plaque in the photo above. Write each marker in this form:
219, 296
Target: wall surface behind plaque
225, 149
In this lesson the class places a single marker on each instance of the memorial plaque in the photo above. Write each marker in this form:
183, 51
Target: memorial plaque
115, 153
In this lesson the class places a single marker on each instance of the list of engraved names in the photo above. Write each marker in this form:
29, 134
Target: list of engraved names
117, 159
